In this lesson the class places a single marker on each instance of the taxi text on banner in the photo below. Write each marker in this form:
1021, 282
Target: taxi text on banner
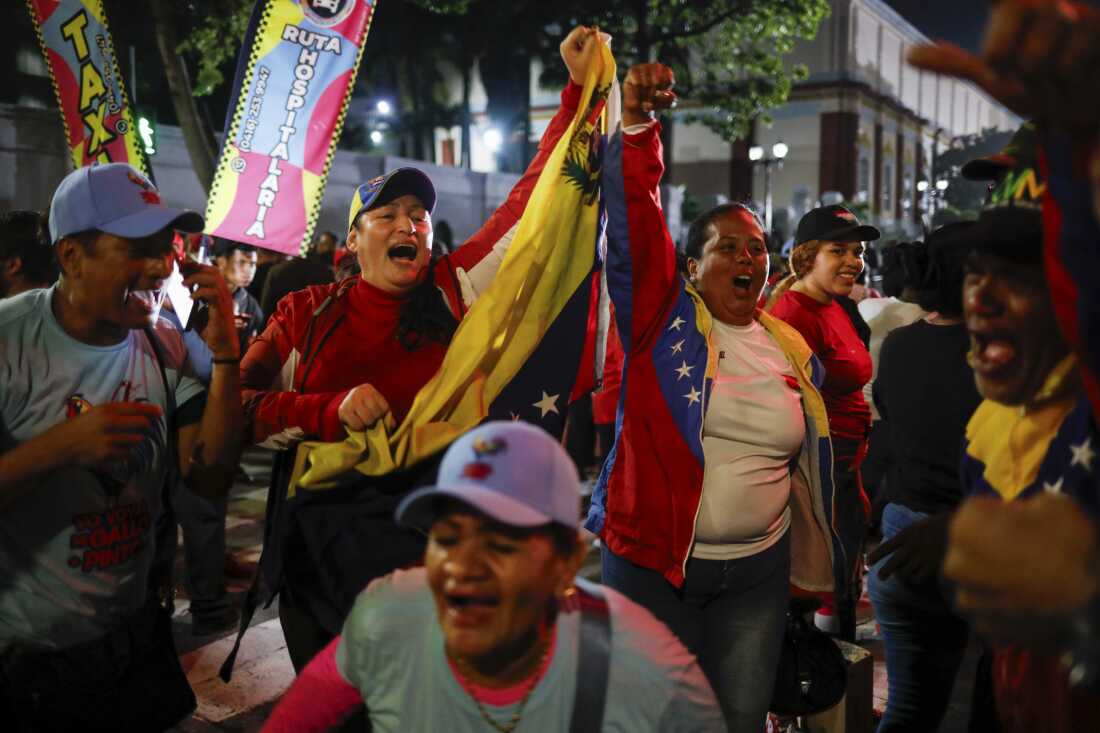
95, 111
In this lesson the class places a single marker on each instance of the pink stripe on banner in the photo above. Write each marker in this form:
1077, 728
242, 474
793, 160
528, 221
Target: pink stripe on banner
287, 121
253, 217
328, 108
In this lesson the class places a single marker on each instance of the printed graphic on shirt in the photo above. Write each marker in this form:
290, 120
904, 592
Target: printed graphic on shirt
107, 539
112, 537
115, 476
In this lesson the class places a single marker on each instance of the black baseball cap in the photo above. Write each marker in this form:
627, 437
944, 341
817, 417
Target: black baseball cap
833, 223
991, 167
1011, 221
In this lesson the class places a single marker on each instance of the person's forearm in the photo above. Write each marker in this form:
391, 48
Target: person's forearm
23, 465
217, 448
319, 700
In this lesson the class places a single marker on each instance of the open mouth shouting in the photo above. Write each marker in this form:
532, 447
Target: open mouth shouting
466, 609
742, 286
403, 252
992, 353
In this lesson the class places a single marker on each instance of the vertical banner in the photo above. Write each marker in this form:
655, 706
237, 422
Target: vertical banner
98, 120
294, 90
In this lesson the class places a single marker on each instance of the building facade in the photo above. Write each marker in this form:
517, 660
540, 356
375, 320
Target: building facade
864, 125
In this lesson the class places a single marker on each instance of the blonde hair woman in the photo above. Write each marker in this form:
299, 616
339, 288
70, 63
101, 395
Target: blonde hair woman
826, 260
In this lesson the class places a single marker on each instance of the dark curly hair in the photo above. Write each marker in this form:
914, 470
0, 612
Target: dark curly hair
425, 317
943, 283
905, 265
697, 234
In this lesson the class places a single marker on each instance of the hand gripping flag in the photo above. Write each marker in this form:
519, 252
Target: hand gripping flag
96, 114
292, 91
522, 346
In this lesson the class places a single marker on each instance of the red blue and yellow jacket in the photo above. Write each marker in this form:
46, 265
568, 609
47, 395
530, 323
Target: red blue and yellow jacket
647, 497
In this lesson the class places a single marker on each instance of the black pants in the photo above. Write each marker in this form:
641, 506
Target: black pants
305, 637
128, 680
851, 525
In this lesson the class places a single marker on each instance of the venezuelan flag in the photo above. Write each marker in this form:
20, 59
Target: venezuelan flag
518, 352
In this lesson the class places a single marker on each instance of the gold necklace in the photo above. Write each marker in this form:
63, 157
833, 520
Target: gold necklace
516, 716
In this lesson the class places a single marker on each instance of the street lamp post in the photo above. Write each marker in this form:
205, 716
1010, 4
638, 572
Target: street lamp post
756, 155
934, 192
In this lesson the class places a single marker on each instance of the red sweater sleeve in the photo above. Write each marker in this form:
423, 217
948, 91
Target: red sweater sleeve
319, 700
479, 245
270, 406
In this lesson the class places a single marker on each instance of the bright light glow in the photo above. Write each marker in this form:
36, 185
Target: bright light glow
756, 152
941, 185
780, 150
145, 129
922, 185
376, 137
383, 107
492, 139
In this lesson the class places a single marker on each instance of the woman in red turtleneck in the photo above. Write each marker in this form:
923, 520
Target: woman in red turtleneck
826, 260
343, 356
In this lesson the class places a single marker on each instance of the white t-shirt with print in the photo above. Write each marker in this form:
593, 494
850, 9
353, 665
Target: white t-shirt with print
76, 550
392, 651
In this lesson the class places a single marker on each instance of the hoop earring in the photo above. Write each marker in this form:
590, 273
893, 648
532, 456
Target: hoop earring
570, 599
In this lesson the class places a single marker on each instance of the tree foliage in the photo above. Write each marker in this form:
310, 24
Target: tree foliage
728, 57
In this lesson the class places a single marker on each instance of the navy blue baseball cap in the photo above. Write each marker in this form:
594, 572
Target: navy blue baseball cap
383, 189
115, 198
513, 472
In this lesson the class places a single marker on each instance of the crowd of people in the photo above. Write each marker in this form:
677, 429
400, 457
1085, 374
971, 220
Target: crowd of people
770, 445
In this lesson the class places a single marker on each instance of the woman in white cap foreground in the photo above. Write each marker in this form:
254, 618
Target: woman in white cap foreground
495, 632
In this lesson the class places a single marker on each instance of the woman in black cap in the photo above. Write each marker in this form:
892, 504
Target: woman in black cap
826, 260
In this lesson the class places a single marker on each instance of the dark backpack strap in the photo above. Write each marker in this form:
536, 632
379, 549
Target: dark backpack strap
594, 663
160, 579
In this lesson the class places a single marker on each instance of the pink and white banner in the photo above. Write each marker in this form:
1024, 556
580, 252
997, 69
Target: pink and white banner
294, 90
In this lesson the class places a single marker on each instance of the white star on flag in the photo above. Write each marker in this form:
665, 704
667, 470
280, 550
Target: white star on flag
1054, 488
1083, 454
675, 326
678, 346
548, 404
693, 396
684, 370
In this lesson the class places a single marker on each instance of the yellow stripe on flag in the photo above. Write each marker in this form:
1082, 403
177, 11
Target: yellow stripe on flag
551, 255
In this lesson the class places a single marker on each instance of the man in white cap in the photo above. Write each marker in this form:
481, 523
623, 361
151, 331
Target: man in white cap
496, 632
97, 406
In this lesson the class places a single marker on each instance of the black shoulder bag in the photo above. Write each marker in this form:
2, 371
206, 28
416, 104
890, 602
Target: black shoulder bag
812, 675
594, 664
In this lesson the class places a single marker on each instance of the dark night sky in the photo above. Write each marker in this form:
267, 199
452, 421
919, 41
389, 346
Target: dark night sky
959, 21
